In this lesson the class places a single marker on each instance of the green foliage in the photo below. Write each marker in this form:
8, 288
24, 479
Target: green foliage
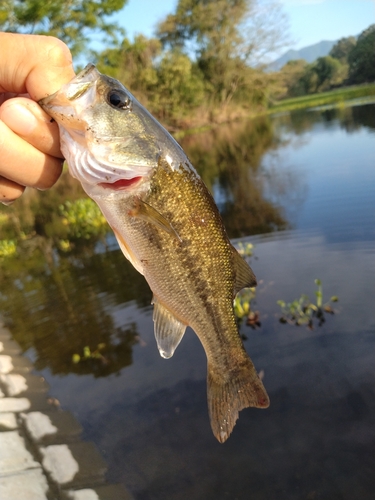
362, 58
303, 312
179, 87
74, 21
225, 35
334, 97
83, 219
342, 49
325, 73
7, 248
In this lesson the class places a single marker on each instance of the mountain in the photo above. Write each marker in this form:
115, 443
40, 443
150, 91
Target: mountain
310, 54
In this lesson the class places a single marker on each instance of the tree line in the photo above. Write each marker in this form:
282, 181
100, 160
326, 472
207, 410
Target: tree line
351, 61
204, 63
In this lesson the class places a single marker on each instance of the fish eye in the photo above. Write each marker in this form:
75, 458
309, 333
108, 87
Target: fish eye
118, 99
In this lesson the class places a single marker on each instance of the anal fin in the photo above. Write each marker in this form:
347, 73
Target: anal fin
168, 329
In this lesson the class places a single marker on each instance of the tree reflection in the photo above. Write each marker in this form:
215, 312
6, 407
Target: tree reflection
229, 158
59, 307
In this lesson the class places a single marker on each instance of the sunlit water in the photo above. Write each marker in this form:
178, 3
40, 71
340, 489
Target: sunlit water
313, 178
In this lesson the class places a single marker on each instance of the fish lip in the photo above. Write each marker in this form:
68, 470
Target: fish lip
89, 73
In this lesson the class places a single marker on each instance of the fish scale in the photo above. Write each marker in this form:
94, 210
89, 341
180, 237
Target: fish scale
167, 225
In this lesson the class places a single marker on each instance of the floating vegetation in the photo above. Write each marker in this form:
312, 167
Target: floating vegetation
243, 310
245, 249
303, 312
88, 354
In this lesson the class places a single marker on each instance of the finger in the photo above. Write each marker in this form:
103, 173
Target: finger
36, 64
24, 164
27, 119
9, 191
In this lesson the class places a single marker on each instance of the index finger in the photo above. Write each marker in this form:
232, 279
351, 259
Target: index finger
34, 64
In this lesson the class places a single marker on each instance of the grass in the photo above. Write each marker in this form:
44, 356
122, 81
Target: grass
338, 96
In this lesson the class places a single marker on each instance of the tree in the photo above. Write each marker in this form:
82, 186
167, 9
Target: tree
179, 86
132, 63
328, 72
342, 49
74, 21
289, 79
226, 37
362, 57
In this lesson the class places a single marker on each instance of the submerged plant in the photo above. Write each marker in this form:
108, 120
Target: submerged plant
302, 311
88, 354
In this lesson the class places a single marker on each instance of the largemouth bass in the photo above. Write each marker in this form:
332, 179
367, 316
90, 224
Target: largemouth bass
167, 225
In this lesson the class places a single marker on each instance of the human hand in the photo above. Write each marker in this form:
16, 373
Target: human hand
31, 67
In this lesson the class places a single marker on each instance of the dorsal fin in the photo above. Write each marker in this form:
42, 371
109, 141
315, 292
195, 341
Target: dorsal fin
168, 329
244, 274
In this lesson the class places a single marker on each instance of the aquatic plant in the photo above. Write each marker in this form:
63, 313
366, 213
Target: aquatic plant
7, 248
242, 308
89, 354
302, 311
245, 249
83, 218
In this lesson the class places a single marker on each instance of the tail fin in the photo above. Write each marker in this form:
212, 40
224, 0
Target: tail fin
228, 395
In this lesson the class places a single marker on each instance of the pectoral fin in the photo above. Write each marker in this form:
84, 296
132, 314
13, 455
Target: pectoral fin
168, 330
244, 274
151, 215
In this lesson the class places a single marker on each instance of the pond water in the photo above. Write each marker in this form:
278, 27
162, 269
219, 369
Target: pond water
301, 188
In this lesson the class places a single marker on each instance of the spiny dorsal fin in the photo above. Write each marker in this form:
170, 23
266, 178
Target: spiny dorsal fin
150, 214
244, 274
168, 329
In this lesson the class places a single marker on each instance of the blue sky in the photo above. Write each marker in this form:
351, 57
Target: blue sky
310, 20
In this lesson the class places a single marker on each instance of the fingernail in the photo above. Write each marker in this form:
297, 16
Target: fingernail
18, 118
7, 202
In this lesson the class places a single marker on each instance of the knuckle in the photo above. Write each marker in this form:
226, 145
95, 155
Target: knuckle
58, 52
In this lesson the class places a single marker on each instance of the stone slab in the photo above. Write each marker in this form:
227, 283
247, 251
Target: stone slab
8, 422
17, 364
14, 405
18, 384
27, 485
55, 427
14, 457
8, 346
74, 465
107, 492
4, 332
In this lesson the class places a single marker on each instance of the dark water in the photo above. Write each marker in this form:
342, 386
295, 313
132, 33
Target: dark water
303, 184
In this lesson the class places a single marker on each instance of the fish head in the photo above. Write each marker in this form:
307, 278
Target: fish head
107, 137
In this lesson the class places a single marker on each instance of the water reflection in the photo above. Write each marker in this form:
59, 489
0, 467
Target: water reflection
312, 171
229, 160
70, 297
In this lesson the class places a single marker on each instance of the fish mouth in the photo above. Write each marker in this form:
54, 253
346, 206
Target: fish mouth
61, 104
121, 184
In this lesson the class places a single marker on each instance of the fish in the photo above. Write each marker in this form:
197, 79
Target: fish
167, 225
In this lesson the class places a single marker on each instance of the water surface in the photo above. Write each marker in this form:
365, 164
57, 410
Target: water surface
301, 188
